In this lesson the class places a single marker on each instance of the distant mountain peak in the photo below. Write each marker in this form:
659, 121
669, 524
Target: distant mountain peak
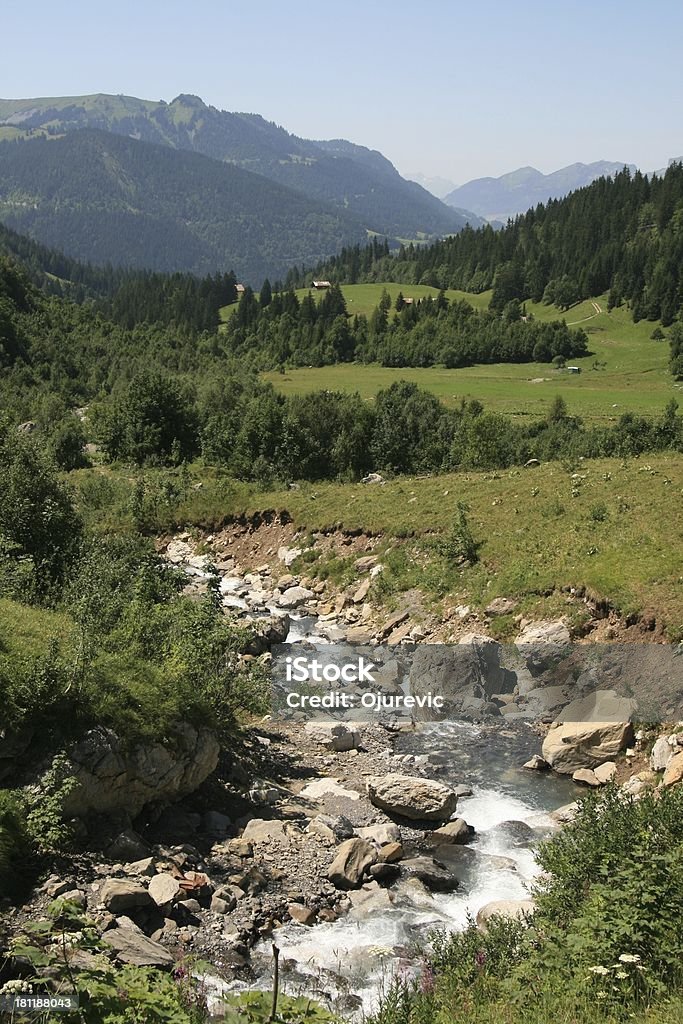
497, 199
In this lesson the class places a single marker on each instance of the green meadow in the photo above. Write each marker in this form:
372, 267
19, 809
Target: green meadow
626, 371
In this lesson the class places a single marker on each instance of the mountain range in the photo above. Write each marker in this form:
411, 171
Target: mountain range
76, 173
497, 199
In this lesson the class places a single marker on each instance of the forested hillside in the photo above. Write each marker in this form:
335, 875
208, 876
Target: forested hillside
622, 235
348, 178
163, 394
103, 198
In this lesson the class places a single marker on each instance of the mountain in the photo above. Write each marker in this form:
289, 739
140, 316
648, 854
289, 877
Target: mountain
439, 187
520, 190
357, 180
105, 198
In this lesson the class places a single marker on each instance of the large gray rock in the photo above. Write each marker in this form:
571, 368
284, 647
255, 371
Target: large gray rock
334, 736
259, 830
320, 789
412, 797
119, 895
380, 835
433, 874
164, 888
457, 831
576, 745
662, 752
111, 779
295, 596
132, 946
544, 632
353, 859
505, 908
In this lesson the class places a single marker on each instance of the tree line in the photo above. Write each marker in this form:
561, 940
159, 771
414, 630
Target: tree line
622, 235
279, 329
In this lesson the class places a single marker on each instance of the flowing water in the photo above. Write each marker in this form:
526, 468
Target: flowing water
350, 961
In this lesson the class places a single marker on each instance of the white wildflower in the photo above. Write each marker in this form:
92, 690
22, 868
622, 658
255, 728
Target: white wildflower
629, 958
599, 969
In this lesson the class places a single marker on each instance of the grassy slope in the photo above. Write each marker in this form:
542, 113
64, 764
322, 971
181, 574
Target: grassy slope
635, 377
618, 531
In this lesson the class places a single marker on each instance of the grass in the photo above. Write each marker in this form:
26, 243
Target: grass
632, 373
616, 530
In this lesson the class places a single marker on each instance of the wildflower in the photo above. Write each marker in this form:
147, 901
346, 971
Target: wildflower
629, 958
599, 969
621, 975
17, 987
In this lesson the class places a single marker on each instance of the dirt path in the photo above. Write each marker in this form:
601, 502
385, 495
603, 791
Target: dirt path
598, 309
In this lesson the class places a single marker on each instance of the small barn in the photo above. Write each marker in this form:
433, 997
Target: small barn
321, 285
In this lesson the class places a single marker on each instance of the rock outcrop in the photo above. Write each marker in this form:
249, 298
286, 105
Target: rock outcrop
111, 779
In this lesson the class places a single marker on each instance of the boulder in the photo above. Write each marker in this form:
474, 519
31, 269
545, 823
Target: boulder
505, 908
599, 706
362, 591
585, 777
391, 853
301, 914
576, 745
144, 867
380, 835
164, 889
457, 831
321, 788
295, 596
604, 773
662, 753
673, 773
119, 895
536, 764
288, 555
336, 825
412, 797
544, 632
365, 563
353, 859
334, 736
110, 778
257, 831
565, 813
132, 946
433, 874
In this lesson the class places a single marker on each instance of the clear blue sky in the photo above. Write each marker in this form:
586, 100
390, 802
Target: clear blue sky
458, 89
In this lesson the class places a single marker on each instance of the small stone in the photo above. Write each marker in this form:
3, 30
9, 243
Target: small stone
240, 848
301, 914
536, 764
585, 777
604, 773
391, 853
164, 889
